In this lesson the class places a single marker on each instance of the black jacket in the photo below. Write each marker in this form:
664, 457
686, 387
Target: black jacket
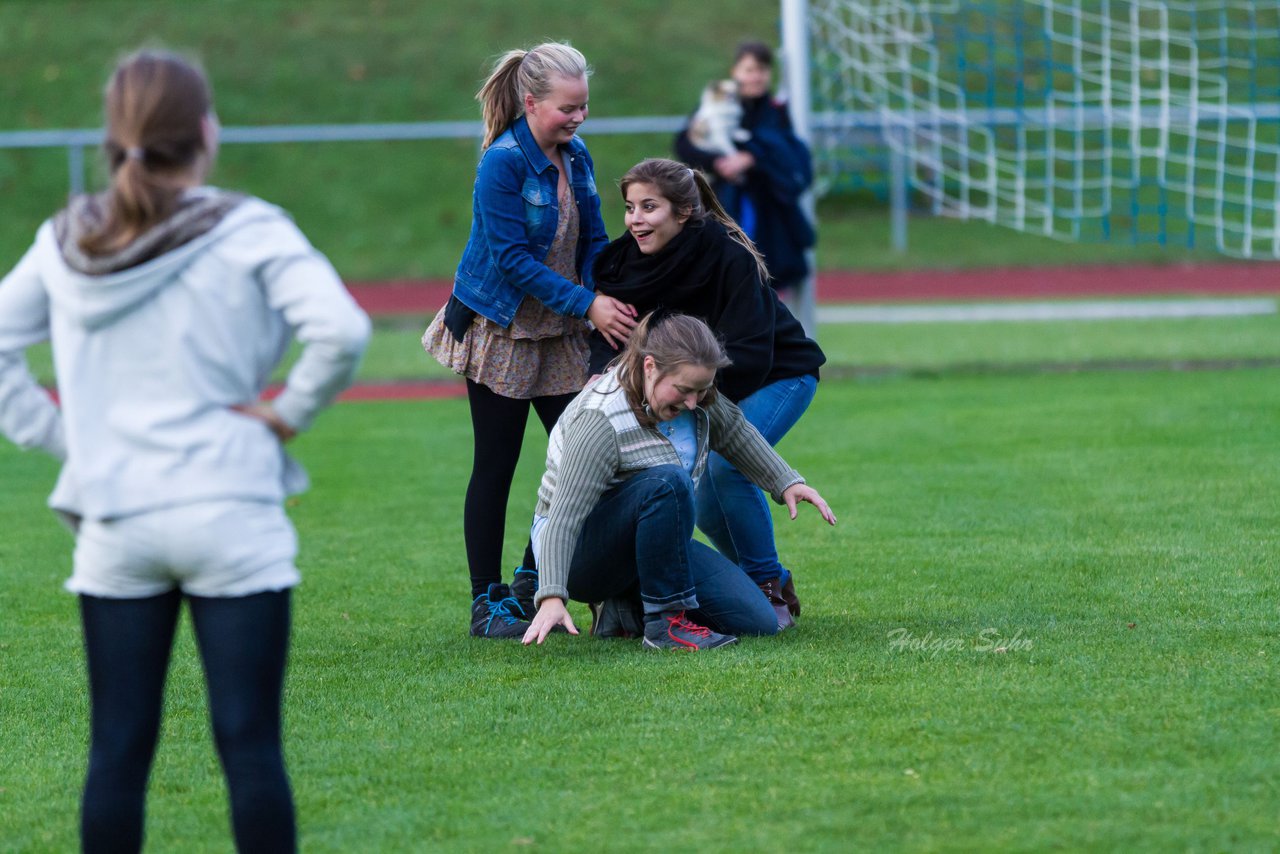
783, 171
703, 272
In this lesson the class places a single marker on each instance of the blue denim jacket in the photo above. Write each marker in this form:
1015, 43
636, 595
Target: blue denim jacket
514, 217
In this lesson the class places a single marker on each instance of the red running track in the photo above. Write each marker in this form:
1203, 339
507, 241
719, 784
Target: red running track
426, 297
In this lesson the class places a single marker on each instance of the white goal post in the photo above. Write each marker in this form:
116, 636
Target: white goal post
1140, 120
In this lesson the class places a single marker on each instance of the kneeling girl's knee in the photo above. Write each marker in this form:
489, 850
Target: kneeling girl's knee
669, 478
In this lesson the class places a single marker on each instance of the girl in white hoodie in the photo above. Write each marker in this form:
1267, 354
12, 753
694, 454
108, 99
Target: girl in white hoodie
169, 304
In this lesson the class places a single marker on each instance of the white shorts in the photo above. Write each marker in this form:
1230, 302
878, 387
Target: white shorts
213, 548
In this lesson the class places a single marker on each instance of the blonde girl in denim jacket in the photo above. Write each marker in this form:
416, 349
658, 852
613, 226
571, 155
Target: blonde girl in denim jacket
516, 323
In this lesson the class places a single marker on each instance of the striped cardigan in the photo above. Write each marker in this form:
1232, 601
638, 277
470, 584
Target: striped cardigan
598, 443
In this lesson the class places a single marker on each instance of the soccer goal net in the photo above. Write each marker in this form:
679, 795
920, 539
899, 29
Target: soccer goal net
1078, 119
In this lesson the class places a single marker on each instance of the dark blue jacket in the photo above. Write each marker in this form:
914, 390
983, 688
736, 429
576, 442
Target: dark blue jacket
782, 172
514, 218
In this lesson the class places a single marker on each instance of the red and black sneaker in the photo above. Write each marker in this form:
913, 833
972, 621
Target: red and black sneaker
675, 632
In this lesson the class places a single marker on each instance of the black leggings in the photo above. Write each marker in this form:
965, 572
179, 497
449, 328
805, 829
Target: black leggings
498, 424
243, 642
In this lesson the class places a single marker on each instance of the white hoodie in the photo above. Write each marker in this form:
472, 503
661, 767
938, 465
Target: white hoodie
150, 360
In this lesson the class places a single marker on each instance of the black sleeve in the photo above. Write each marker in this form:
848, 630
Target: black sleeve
784, 165
601, 353
745, 324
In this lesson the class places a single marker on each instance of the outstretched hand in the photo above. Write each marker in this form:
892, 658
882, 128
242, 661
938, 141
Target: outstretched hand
613, 318
797, 492
266, 413
551, 613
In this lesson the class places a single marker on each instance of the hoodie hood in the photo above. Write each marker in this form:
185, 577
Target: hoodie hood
95, 290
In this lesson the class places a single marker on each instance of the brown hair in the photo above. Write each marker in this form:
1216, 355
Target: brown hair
688, 190
155, 105
524, 72
673, 340
757, 50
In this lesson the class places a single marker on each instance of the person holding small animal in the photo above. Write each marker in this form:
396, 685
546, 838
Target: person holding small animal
682, 252
743, 137
515, 323
615, 506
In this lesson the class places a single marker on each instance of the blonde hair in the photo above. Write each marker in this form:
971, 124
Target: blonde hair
156, 103
672, 340
525, 72
688, 190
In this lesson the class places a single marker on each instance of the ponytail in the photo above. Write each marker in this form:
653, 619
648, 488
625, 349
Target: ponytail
689, 191
711, 204
500, 103
156, 104
524, 72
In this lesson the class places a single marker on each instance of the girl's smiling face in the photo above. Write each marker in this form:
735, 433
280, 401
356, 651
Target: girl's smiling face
677, 390
555, 119
651, 219
752, 76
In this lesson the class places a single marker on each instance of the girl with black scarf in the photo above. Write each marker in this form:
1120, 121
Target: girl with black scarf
683, 253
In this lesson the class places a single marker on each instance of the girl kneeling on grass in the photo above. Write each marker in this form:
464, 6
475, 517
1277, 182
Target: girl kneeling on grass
615, 507
683, 253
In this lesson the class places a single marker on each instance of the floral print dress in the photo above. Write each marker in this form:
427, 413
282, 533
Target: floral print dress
542, 353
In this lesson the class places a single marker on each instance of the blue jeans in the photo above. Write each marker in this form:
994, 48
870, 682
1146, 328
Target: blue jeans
732, 511
640, 536
243, 643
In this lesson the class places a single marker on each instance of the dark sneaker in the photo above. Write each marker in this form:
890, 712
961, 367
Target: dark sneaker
675, 632
523, 586
522, 590
772, 589
789, 594
493, 615
619, 617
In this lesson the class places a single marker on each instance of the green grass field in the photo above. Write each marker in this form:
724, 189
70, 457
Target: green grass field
1046, 621
1111, 532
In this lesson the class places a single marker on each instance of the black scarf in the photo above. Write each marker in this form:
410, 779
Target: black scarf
682, 274
703, 272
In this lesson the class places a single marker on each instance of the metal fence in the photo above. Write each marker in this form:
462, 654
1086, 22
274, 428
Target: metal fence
75, 141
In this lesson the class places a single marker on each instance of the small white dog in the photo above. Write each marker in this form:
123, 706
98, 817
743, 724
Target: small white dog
715, 126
